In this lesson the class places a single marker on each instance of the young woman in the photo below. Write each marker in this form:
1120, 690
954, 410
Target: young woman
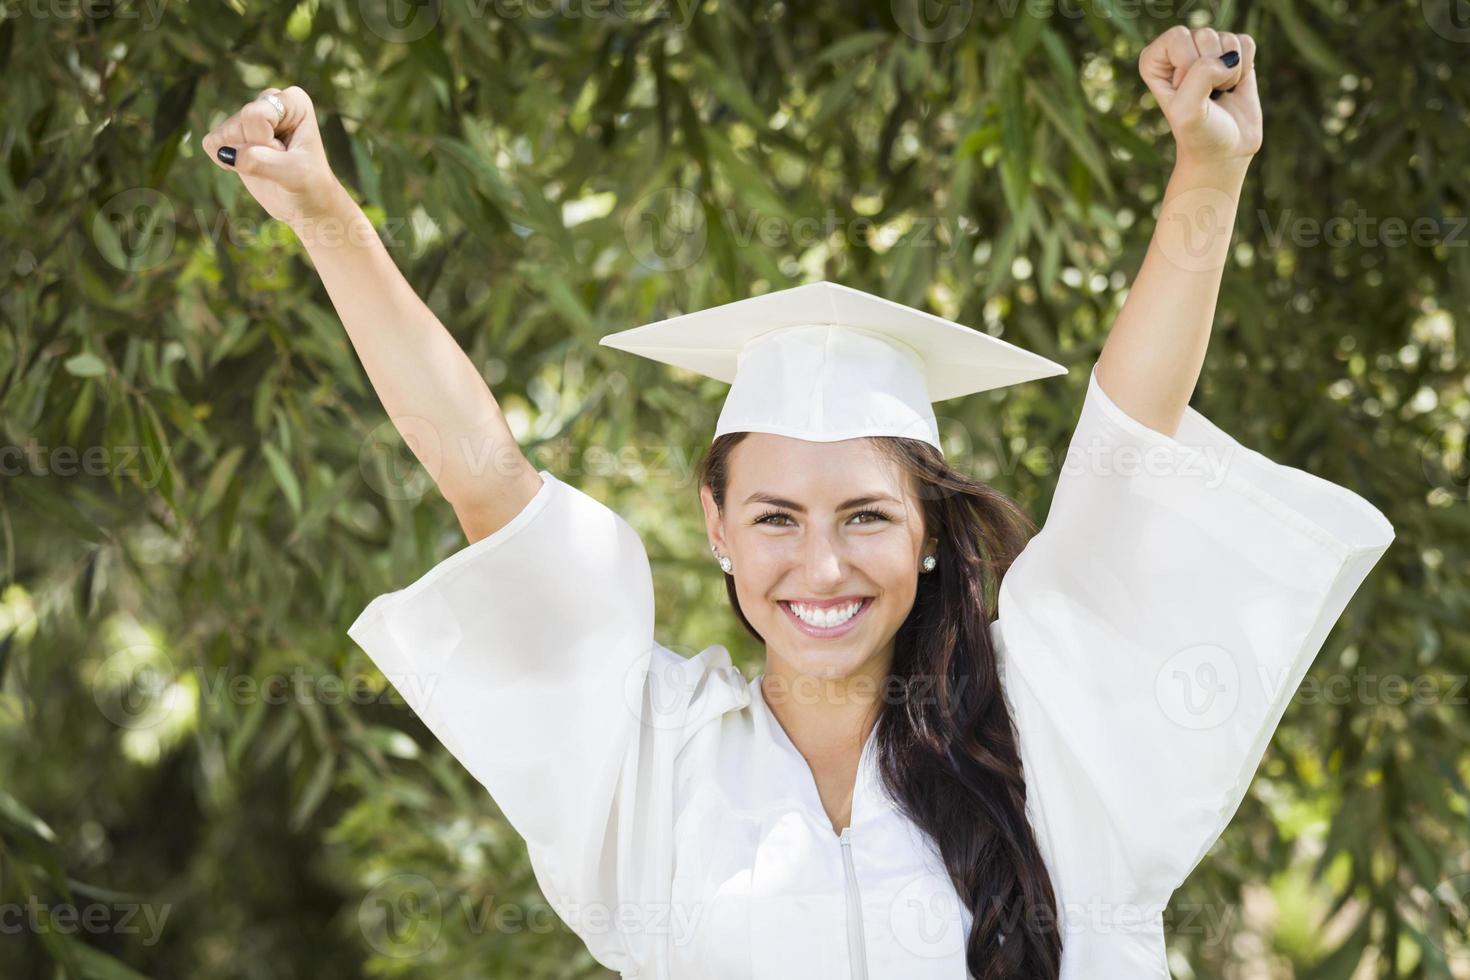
922, 783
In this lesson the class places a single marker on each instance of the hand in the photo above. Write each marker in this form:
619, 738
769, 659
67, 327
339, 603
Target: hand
1182, 67
279, 158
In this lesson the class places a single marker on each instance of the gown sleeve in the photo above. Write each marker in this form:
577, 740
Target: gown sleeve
530, 655
1152, 633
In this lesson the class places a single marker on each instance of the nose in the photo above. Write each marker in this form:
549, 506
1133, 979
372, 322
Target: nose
824, 560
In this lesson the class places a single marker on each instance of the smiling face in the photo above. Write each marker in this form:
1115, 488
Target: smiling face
807, 547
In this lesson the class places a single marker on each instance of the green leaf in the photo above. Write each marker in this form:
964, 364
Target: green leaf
86, 365
1024, 36
562, 298
1105, 16
487, 176
1074, 131
1425, 865
977, 140
1016, 159
1051, 256
247, 724
751, 186
730, 89
832, 98
1057, 53
390, 741
97, 965
851, 46
1344, 961
285, 477
15, 813
218, 482
1306, 41
47, 503
173, 107
313, 791
157, 460
81, 412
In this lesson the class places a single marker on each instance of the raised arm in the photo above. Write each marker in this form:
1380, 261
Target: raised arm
430, 389
1153, 354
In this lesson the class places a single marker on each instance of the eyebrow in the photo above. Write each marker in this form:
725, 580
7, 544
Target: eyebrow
766, 498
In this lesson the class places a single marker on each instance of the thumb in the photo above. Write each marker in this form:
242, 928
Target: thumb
1203, 77
268, 162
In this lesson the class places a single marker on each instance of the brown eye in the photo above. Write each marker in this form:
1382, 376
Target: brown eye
766, 517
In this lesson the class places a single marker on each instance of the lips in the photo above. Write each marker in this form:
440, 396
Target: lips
828, 603
827, 632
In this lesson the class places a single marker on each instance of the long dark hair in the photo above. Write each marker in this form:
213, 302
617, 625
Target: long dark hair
946, 747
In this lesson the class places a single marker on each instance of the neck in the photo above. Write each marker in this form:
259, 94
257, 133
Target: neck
827, 718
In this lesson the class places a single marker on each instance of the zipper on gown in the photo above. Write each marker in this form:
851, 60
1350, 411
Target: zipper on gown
856, 949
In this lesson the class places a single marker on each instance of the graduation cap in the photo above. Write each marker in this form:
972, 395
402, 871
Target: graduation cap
825, 362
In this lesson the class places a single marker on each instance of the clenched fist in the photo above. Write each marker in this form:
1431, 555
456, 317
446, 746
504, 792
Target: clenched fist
278, 153
1182, 68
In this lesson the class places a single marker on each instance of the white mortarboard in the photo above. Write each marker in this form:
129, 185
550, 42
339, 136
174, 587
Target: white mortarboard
825, 362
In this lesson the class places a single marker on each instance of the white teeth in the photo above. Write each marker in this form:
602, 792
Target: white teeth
825, 618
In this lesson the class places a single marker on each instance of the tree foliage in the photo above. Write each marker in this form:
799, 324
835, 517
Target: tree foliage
201, 491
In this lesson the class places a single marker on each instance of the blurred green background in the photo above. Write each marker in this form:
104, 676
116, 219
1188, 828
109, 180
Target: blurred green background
202, 776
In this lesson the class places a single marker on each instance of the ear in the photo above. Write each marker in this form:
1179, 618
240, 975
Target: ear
713, 524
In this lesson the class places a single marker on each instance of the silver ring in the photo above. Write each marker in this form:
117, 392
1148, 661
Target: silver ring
277, 104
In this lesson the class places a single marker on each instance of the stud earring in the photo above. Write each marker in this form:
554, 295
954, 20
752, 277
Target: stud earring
929, 562
725, 564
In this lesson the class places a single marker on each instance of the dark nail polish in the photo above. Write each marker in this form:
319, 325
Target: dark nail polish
226, 155
1231, 58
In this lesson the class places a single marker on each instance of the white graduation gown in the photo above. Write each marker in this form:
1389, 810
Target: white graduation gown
1150, 637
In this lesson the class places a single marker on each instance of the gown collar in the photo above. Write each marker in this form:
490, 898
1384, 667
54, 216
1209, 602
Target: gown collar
868, 798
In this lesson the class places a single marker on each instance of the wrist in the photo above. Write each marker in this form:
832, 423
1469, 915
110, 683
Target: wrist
1225, 173
338, 220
